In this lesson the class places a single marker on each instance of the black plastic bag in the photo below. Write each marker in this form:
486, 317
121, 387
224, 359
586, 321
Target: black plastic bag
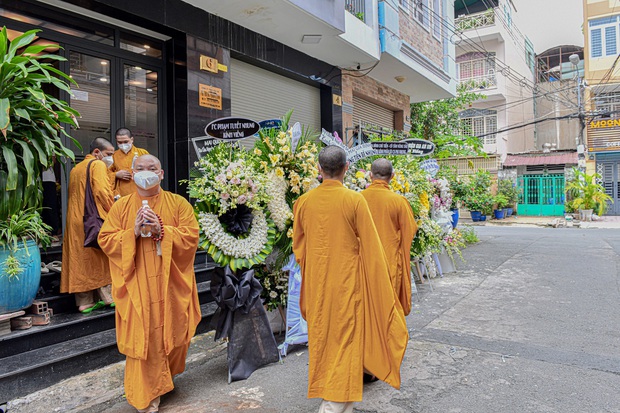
242, 318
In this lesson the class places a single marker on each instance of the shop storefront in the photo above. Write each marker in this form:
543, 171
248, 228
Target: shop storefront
604, 148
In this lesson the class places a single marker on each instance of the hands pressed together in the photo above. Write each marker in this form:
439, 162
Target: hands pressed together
148, 216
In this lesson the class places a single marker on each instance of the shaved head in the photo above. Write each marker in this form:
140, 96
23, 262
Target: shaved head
382, 169
100, 143
332, 160
147, 163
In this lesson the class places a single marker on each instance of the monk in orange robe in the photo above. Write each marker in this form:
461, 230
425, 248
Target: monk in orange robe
153, 283
346, 294
124, 158
396, 226
85, 270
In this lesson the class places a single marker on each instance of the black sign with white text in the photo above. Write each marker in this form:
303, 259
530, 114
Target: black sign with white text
232, 128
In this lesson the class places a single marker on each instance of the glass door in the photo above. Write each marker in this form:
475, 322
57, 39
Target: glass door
92, 98
140, 101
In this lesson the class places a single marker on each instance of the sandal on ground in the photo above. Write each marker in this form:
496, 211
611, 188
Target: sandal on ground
44, 269
55, 266
96, 306
369, 378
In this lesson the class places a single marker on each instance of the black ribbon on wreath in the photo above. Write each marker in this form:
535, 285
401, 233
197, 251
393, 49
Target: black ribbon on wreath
243, 320
237, 220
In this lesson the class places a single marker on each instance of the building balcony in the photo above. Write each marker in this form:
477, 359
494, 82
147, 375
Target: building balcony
475, 84
343, 33
475, 21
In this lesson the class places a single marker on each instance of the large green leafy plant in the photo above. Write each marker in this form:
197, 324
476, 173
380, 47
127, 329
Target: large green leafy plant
31, 129
586, 193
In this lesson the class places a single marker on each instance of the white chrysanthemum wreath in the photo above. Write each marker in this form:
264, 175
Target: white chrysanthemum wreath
231, 245
276, 189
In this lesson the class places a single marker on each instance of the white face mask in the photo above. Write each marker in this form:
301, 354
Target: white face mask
108, 160
146, 179
125, 147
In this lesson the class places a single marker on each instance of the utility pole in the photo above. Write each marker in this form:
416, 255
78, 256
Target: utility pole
579, 141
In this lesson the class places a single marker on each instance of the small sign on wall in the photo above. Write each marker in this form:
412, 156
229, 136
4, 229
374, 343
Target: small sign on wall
210, 97
208, 63
337, 100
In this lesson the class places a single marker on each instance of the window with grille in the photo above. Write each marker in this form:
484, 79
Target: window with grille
404, 4
608, 102
480, 122
421, 12
604, 36
437, 19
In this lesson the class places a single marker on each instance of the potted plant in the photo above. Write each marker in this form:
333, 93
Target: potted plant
508, 189
31, 126
478, 199
502, 202
587, 196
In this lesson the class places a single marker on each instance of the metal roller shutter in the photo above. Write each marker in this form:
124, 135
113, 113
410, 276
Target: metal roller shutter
258, 94
370, 113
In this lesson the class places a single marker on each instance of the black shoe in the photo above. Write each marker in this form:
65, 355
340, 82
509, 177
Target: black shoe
369, 378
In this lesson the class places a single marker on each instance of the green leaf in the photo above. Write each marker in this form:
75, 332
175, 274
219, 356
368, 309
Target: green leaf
22, 113
5, 119
11, 164
21, 41
28, 162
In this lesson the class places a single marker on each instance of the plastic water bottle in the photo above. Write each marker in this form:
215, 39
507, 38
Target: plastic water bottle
133, 161
145, 230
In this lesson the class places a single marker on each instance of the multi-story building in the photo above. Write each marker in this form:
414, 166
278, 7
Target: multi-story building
601, 105
494, 59
166, 68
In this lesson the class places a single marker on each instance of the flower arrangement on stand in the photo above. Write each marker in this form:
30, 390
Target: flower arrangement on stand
289, 159
231, 202
358, 179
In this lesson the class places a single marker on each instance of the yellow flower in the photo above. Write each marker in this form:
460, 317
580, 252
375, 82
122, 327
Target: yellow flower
294, 178
279, 172
281, 135
274, 159
424, 200
360, 175
257, 152
289, 233
285, 149
263, 165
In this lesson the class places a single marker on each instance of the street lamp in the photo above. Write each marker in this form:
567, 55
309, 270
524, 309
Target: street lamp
581, 155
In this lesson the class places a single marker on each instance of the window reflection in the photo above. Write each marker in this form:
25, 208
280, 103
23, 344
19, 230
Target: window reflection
141, 106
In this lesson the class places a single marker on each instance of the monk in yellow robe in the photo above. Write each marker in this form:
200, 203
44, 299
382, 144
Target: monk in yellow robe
396, 226
346, 294
153, 283
120, 172
85, 270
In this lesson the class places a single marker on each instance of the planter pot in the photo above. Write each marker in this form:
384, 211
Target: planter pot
475, 216
509, 212
18, 293
483, 217
586, 214
498, 213
455, 217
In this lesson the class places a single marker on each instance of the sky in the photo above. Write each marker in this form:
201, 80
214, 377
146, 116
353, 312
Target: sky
550, 23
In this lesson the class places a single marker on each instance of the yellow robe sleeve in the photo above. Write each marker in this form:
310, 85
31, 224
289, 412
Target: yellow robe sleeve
385, 328
179, 246
102, 192
299, 247
118, 241
408, 229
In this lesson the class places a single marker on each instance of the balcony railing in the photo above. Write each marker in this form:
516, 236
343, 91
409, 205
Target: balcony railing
479, 82
475, 21
356, 8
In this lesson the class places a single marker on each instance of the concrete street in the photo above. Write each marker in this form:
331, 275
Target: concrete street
530, 323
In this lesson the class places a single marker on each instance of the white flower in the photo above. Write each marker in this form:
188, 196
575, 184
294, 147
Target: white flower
273, 294
231, 245
276, 189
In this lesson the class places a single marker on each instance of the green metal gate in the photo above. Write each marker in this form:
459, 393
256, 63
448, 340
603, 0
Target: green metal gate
541, 195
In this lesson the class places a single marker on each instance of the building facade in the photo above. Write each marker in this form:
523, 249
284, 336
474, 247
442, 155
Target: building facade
496, 60
602, 94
